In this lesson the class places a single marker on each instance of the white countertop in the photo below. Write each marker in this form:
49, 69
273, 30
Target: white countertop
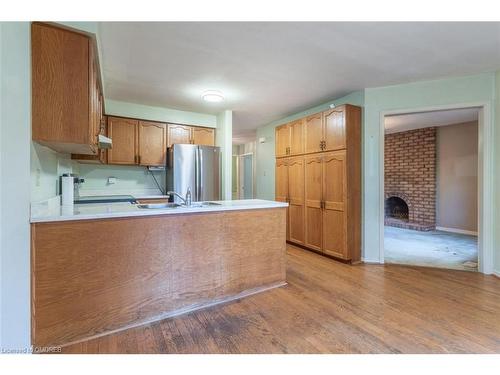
53, 212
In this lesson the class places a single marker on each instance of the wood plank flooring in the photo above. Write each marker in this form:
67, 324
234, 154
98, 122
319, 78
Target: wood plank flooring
330, 307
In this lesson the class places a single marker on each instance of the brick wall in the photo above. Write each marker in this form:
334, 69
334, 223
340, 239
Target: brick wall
410, 174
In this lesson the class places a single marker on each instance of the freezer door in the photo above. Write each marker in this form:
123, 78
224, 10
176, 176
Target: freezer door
182, 167
208, 174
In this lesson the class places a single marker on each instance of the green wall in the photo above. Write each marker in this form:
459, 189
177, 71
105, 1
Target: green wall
265, 151
15, 134
146, 112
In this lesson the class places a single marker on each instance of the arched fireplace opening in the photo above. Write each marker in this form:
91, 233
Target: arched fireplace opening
396, 208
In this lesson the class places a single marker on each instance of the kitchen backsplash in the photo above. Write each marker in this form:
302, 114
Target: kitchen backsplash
124, 180
47, 166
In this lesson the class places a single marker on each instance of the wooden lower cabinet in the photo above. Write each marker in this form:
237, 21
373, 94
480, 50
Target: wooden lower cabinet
313, 202
296, 200
324, 219
334, 203
281, 192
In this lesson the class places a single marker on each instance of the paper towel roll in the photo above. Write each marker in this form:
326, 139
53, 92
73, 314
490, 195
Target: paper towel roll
67, 190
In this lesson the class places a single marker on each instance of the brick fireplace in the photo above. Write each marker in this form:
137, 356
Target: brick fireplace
410, 179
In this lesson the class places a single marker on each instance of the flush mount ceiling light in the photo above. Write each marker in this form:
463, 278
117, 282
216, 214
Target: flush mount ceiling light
212, 96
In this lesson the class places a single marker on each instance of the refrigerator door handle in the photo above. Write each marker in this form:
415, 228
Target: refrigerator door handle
199, 161
196, 175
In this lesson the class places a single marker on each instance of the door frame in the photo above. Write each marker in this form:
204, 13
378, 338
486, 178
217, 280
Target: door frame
485, 178
241, 173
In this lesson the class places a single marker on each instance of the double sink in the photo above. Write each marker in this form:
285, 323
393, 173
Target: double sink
151, 206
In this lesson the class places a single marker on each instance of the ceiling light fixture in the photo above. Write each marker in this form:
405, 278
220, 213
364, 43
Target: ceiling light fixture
212, 96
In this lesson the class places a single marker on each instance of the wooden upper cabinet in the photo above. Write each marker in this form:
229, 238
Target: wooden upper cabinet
313, 177
178, 134
334, 129
296, 137
152, 143
282, 134
334, 202
313, 133
296, 199
203, 136
123, 133
65, 87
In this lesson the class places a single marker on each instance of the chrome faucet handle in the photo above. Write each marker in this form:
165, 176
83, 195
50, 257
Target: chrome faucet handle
188, 199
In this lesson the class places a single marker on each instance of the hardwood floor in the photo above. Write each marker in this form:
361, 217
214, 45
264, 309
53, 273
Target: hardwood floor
330, 307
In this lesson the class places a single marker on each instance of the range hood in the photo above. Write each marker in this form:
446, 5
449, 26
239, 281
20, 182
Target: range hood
104, 142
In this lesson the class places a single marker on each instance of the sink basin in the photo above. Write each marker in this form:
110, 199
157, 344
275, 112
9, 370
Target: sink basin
204, 204
210, 204
158, 205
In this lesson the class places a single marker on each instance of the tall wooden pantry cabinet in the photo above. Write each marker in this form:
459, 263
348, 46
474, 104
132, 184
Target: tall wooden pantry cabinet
318, 172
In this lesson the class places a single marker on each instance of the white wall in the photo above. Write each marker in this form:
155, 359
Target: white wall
457, 176
15, 134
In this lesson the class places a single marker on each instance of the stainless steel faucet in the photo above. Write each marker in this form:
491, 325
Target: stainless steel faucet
186, 200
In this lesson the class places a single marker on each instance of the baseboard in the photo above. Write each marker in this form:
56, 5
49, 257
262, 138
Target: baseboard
455, 230
496, 273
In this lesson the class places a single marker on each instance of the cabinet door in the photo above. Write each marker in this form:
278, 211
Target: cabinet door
296, 199
334, 129
313, 208
282, 140
61, 90
313, 133
123, 133
203, 136
297, 137
334, 202
281, 187
178, 134
152, 143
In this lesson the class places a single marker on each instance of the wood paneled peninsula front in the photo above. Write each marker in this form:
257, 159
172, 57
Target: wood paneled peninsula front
102, 268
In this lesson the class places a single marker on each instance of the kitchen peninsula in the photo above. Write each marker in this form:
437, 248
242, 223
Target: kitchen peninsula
105, 267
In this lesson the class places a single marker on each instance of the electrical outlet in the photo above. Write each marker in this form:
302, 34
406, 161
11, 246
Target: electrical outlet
111, 180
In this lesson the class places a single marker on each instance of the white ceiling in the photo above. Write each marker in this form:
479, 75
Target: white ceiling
411, 121
271, 70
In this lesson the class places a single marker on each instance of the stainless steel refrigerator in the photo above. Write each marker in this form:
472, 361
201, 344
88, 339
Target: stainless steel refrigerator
196, 167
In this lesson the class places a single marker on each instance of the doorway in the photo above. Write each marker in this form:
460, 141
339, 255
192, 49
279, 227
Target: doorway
431, 188
246, 176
